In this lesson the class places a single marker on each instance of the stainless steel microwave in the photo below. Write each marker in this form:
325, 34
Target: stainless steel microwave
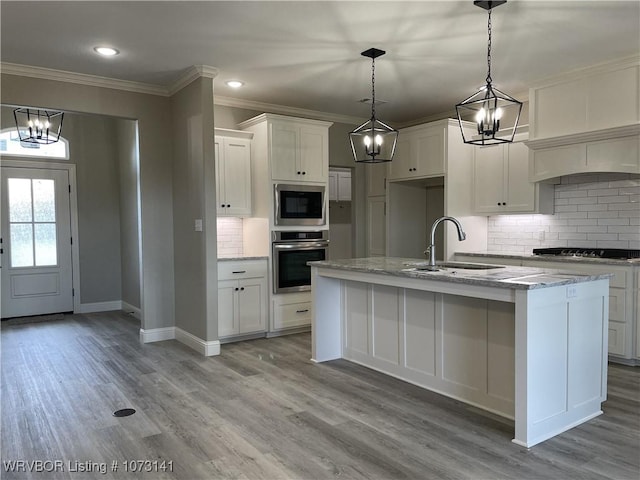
299, 205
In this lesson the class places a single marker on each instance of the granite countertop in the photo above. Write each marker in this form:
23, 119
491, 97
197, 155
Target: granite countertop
236, 259
555, 258
521, 278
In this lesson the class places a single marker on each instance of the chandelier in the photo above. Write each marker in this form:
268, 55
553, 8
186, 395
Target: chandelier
38, 126
495, 113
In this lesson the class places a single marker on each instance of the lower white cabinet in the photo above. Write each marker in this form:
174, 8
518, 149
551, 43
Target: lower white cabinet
291, 310
242, 297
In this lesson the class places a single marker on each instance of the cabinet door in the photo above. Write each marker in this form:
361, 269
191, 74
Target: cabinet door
333, 186
237, 176
284, 152
220, 199
314, 157
252, 312
520, 192
344, 186
227, 308
376, 226
488, 175
429, 152
402, 166
377, 177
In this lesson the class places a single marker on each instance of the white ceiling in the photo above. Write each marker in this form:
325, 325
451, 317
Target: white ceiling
306, 54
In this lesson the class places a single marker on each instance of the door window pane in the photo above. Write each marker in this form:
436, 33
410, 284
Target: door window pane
45, 240
21, 245
44, 201
20, 200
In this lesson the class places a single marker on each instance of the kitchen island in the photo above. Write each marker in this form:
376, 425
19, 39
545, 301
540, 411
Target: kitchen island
525, 343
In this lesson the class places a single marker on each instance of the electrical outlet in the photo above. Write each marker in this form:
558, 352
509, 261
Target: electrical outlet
198, 225
572, 291
541, 235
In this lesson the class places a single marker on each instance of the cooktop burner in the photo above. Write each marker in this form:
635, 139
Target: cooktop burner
589, 252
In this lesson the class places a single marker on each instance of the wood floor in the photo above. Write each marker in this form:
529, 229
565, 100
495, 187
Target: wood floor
262, 410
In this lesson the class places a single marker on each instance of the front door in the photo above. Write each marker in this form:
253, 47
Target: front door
36, 242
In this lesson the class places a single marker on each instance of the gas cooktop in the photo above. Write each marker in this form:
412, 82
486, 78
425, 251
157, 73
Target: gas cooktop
589, 252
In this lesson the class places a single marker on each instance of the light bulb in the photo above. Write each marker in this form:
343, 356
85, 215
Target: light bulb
367, 141
498, 114
480, 115
47, 124
30, 123
378, 140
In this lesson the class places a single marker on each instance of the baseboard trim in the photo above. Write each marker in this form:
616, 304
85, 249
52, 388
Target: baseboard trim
157, 334
99, 307
207, 349
131, 310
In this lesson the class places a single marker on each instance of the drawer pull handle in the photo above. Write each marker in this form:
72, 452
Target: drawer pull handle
302, 311
240, 271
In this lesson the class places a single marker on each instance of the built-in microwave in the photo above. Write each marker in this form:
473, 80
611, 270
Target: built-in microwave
299, 205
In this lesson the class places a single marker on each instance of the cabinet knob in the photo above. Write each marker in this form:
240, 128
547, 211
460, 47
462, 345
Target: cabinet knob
241, 288
228, 205
298, 173
236, 289
222, 205
304, 173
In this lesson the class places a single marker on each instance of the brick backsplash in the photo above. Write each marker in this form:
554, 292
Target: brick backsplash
600, 211
229, 237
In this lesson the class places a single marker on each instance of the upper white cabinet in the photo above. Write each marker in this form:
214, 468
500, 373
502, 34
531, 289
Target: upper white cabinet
586, 122
340, 185
501, 182
299, 152
419, 153
233, 172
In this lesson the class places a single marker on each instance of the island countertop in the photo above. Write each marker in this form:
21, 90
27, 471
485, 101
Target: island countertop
519, 278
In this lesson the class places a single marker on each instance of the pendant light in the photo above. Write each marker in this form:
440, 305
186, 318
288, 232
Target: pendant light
373, 141
495, 113
38, 126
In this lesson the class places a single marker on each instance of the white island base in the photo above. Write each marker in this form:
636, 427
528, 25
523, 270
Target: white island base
534, 355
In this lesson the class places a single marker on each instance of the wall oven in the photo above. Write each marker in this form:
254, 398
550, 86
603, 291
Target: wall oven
299, 205
291, 252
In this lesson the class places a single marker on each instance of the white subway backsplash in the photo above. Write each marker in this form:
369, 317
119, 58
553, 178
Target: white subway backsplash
229, 237
601, 211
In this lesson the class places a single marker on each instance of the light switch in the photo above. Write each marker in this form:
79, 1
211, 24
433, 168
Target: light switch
198, 224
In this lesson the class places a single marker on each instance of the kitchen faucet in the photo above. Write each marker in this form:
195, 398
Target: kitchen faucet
432, 245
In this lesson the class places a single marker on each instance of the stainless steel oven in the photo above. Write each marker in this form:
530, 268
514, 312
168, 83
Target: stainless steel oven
299, 205
291, 252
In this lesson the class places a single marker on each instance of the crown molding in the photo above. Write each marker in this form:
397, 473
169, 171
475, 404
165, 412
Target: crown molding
284, 110
190, 74
81, 79
618, 64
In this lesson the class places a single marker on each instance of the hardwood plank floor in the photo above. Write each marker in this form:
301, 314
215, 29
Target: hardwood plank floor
262, 410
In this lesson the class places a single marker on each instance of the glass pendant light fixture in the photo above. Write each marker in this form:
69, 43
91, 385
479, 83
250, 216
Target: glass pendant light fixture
38, 126
373, 141
495, 113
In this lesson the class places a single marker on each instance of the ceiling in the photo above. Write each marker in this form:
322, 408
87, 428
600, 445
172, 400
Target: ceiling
306, 54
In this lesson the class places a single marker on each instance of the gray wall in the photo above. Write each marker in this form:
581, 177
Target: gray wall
156, 192
92, 149
194, 187
127, 141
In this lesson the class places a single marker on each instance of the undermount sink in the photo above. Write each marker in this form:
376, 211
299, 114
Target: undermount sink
455, 265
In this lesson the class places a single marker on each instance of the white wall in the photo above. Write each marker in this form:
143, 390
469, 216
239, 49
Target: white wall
601, 211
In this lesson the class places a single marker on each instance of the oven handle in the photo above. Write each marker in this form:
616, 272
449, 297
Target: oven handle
300, 245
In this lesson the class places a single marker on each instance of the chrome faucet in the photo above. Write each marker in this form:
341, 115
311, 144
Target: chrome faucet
432, 245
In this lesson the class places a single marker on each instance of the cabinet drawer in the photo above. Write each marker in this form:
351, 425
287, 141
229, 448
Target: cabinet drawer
291, 314
617, 332
242, 269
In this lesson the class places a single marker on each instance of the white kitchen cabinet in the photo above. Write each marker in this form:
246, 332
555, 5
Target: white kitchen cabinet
376, 174
233, 173
501, 182
242, 297
614, 155
291, 310
299, 152
419, 153
340, 185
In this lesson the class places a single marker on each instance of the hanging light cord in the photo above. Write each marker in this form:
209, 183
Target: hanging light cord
489, 50
373, 88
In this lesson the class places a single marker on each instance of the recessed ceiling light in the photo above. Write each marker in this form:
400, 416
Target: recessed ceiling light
106, 51
235, 83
